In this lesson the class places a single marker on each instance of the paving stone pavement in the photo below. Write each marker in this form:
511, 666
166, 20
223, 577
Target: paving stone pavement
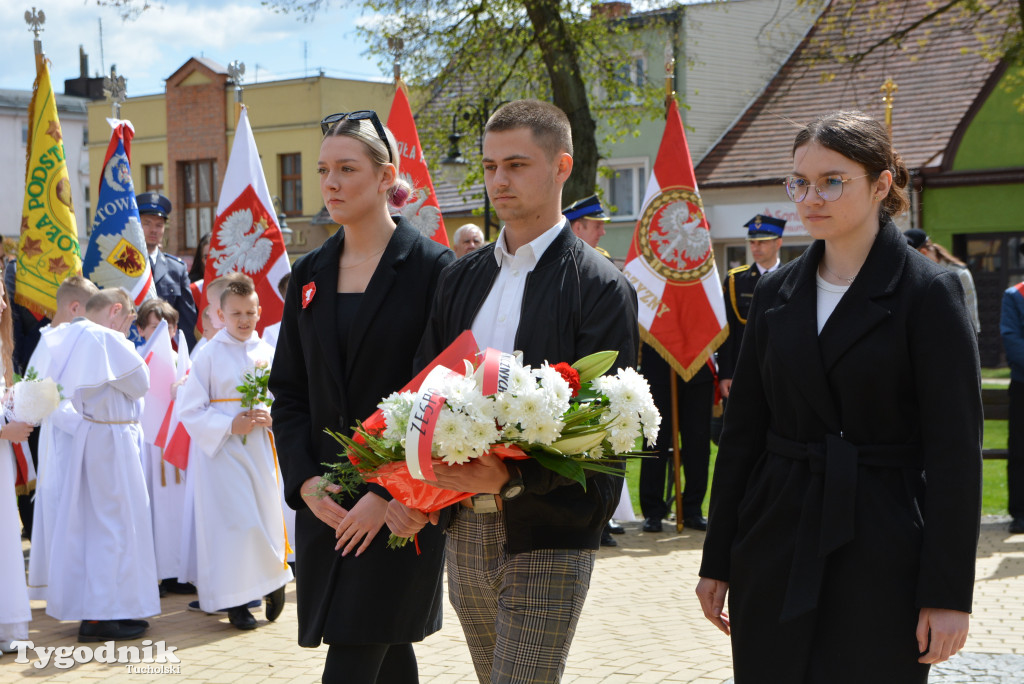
641, 624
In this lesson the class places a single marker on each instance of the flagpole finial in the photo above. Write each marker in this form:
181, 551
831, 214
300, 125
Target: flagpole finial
235, 72
115, 87
889, 89
670, 74
35, 20
396, 46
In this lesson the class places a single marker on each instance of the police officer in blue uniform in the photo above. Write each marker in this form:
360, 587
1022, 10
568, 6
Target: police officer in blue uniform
170, 275
764, 233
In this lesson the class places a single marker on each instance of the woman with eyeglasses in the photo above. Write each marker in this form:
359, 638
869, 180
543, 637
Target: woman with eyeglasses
845, 505
354, 313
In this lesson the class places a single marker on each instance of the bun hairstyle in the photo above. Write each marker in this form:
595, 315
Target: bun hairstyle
363, 131
864, 140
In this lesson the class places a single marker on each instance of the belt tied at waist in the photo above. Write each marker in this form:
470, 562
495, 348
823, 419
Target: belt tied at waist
110, 422
829, 508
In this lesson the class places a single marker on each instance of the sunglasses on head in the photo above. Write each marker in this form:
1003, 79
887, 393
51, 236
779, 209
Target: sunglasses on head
329, 121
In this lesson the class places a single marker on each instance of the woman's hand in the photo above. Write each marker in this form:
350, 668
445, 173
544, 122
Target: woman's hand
323, 507
941, 633
15, 431
404, 521
360, 525
712, 600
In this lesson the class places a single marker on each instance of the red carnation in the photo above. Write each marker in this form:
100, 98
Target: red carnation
571, 376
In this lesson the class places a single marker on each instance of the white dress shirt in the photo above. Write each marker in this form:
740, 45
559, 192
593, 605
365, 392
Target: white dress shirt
768, 270
497, 321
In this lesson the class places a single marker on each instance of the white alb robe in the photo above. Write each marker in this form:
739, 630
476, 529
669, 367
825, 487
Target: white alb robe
240, 538
102, 562
270, 335
15, 612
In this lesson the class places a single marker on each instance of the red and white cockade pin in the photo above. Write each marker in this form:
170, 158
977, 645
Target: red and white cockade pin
307, 294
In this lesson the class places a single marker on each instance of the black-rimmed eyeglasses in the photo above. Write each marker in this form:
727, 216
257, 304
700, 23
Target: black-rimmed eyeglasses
329, 121
829, 188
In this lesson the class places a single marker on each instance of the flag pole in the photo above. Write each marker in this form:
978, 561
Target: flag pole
670, 93
235, 71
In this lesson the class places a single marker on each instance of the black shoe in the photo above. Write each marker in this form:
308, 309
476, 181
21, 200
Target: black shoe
652, 525
1017, 526
607, 539
110, 630
194, 607
241, 618
275, 603
615, 528
696, 522
175, 587
163, 589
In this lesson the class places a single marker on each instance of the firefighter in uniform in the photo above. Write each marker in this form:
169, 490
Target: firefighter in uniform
764, 234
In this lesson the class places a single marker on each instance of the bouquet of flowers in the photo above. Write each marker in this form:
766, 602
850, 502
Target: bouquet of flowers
569, 418
254, 388
32, 398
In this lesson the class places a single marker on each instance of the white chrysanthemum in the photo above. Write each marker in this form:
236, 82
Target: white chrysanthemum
556, 388
520, 380
396, 407
631, 410
543, 430
35, 400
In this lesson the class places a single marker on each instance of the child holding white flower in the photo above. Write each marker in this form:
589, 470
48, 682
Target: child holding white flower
241, 539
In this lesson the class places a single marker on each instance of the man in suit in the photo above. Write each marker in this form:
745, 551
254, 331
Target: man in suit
530, 537
764, 234
1011, 327
170, 275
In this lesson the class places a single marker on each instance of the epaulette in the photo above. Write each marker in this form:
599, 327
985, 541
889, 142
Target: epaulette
739, 269
175, 258
603, 252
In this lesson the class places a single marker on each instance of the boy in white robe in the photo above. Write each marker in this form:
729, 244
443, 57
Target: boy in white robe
165, 482
102, 567
240, 542
54, 443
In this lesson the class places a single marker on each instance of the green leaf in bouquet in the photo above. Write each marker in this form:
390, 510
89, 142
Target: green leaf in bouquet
560, 464
595, 365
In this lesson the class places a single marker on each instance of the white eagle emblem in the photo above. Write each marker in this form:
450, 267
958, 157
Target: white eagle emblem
116, 173
423, 218
680, 237
242, 247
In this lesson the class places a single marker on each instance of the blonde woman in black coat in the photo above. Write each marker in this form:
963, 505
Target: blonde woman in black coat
354, 314
845, 505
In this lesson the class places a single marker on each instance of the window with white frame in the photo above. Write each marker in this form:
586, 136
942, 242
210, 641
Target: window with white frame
624, 187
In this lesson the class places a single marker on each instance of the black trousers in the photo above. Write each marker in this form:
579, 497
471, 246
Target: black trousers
370, 664
1015, 446
695, 398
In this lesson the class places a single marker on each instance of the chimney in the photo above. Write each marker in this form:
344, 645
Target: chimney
83, 62
611, 10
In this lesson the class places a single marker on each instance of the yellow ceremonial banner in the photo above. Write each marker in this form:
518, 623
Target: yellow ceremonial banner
48, 249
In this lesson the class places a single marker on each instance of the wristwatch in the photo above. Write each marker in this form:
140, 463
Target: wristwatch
515, 487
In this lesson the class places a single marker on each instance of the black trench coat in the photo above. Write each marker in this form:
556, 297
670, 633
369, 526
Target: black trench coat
384, 596
847, 489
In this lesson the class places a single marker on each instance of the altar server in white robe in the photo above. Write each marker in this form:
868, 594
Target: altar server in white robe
15, 612
103, 568
72, 296
240, 533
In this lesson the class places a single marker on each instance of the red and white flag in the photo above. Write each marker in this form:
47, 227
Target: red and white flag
173, 437
246, 237
159, 358
422, 210
671, 263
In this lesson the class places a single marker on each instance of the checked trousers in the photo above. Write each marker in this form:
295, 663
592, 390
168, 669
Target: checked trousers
518, 611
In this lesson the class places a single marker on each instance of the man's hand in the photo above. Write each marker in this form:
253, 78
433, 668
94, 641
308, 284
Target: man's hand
323, 507
243, 423
485, 474
360, 525
712, 600
941, 633
725, 386
404, 521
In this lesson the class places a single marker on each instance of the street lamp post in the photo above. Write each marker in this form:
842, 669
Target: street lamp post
454, 166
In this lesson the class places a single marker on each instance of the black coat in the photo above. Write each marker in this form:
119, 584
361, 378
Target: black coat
847, 489
575, 303
170, 277
384, 596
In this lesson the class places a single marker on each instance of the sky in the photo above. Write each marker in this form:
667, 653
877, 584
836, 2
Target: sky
150, 48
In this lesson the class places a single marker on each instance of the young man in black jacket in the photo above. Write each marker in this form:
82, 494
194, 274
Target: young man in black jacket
520, 554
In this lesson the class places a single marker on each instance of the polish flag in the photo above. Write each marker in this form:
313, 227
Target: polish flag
173, 437
246, 237
422, 210
159, 358
671, 263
